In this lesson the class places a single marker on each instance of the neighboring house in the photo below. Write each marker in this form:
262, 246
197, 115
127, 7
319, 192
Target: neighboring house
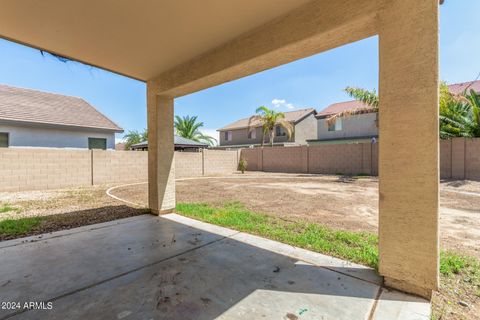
31, 118
355, 128
236, 134
458, 88
180, 143
120, 146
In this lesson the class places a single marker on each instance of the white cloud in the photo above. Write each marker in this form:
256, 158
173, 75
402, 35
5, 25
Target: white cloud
282, 103
277, 103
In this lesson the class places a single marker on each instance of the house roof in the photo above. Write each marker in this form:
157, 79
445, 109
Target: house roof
342, 106
457, 88
291, 116
178, 141
32, 106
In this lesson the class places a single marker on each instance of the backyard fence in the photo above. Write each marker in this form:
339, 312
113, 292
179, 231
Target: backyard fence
38, 169
459, 159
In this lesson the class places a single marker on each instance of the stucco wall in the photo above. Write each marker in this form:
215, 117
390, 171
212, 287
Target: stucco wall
20, 136
362, 125
306, 129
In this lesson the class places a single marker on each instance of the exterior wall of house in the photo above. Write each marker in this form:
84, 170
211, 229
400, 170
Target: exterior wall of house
306, 129
23, 136
361, 125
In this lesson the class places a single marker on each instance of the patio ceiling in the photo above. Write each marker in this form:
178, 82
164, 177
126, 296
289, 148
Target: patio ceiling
139, 39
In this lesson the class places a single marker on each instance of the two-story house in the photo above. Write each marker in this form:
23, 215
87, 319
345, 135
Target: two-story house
354, 128
237, 134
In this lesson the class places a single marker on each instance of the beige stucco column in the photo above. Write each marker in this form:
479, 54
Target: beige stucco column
161, 166
409, 145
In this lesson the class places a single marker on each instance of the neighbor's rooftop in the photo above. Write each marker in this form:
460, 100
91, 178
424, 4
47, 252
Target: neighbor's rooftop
291, 116
19, 105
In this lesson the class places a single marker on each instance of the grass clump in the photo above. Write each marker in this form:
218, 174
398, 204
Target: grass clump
14, 227
7, 208
360, 247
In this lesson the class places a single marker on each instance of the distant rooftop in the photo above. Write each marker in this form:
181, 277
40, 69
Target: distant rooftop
457, 88
291, 116
338, 107
177, 141
32, 106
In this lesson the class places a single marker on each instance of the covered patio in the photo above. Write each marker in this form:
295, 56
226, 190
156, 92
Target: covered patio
172, 267
180, 47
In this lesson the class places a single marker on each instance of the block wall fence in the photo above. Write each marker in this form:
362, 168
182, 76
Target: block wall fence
459, 159
39, 169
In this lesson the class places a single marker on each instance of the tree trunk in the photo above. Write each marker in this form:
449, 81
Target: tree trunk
272, 136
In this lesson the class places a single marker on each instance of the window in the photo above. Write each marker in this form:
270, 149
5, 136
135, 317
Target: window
97, 143
336, 126
228, 135
3, 139
252, 134
279, 131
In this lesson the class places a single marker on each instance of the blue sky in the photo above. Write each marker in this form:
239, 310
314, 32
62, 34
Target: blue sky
315, 82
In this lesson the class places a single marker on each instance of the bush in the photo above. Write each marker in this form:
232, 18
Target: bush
242, 165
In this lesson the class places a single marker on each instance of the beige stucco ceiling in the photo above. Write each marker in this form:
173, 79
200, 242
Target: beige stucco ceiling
137, 38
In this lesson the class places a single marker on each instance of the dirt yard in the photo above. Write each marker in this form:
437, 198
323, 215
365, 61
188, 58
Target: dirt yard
60, 209
340, 202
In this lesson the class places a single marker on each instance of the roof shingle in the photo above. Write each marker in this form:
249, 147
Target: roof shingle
32, 106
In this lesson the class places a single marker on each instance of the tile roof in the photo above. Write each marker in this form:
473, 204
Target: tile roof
32, 106
342, 106
457, 88
292, 116
177, 140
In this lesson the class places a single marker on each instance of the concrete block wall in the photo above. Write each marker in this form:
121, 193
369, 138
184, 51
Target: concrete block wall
188, 164
459, 159
220, 161
336, 158
24, 169
119, 166
36, 169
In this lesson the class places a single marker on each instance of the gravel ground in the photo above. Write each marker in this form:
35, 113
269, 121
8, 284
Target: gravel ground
339, 202
64, 209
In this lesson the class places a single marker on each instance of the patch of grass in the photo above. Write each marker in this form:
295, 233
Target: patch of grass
15, 227
7, 208
360, 247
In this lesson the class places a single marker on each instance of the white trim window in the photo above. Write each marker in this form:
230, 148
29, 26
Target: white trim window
336, 126
252, 135
228, 136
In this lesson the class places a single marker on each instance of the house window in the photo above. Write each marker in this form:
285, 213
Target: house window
228, 135
280, 132
97, 143
3, 139
252, 134
336, 126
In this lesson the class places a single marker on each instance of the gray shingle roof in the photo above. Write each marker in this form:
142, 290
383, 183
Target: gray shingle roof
32, 106
177, 141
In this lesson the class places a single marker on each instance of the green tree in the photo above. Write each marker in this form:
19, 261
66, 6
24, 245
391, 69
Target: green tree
188, 127
133, 137
269, 119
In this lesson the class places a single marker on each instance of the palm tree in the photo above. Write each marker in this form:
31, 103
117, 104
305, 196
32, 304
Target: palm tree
459, 113
269, 119
369, 98
188, 127
133, 137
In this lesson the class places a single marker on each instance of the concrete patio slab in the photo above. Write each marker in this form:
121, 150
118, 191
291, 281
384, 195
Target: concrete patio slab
170, 267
